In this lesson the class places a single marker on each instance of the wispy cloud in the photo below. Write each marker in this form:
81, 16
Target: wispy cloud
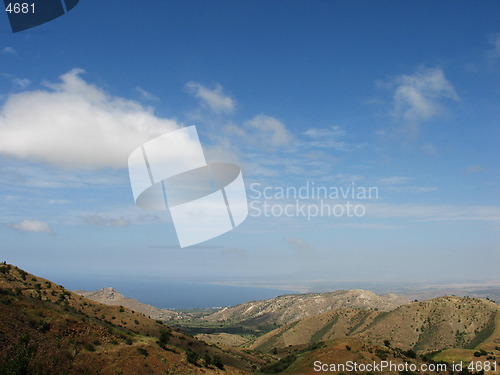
31, 225
427, 212
74, 124
399, 184
268, 130
9, 51
260, 133
100, 221
419, 97
213, 99
19, 83
146, 95
327, 138
395, 180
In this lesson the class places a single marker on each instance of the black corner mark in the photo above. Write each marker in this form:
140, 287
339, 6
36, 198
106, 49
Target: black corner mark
26, 14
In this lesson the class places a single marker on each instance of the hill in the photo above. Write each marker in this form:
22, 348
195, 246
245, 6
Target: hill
46, 329
352, 356
437, 324
110, 296
293, 307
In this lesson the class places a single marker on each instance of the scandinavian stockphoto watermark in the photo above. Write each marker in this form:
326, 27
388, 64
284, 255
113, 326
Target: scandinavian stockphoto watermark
204, 199
207, 200
310, 200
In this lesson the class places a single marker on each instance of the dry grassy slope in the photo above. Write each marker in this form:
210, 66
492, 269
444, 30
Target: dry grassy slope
445, 322
110, 296
45, 290
293, 307
341, 322
342, 350
223, 339
43, 325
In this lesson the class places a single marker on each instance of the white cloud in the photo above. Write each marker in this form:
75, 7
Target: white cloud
20, 83
100, 221
417, 97
399, 184
58, 201
327, 138
395, 180
146, 94
258, 134
74, 124
9, 51
267, 130
214, 99
34, 226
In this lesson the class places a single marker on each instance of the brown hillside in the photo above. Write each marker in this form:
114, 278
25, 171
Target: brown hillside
109, 296
293, 307
445, 322
45, 329
341, 322
340, 353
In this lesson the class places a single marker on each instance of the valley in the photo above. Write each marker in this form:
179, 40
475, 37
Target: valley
46, 329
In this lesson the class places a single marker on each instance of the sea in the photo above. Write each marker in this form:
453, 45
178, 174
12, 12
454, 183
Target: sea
177, 294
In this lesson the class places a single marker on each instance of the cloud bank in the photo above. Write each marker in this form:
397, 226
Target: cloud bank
33, 226
74, 124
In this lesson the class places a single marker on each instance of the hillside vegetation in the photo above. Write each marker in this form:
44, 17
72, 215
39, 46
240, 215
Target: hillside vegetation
437, 324
292, 307
46, 329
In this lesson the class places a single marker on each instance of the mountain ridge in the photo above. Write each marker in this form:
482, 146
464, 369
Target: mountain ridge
437, 324
110, 296
292, 307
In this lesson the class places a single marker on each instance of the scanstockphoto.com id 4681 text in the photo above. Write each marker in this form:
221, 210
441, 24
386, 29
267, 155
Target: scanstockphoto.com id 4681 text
389, 366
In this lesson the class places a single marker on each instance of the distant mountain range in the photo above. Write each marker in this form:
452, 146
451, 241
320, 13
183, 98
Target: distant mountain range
292, 307
47, 329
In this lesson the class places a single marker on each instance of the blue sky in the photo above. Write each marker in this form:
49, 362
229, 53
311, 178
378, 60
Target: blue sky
402, 96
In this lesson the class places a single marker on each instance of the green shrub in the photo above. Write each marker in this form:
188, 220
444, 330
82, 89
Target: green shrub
279, 366
217, 362
192, 357
381, 354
